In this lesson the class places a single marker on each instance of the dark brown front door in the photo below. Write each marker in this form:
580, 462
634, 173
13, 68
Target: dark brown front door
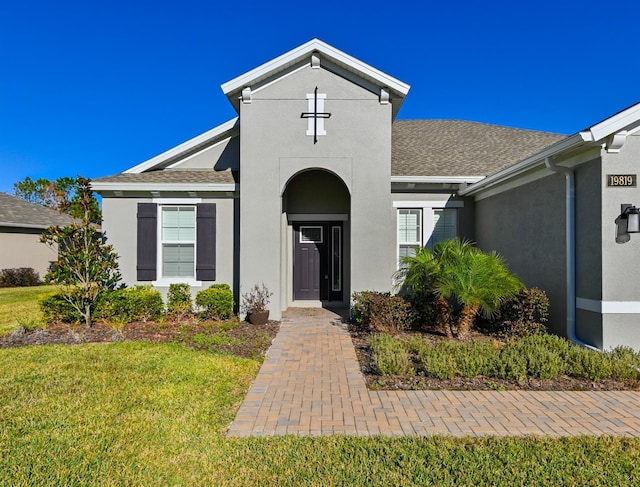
317, 261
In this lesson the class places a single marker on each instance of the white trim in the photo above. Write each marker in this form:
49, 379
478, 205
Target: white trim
608, 307
301, 235
166, 280
318, 121
317, 217
177, 201
437, 179
429, 204
157, 187
615, 123
333, 252
185, 146
301, 52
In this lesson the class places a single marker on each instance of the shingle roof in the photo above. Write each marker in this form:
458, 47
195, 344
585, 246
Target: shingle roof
17, 212
169, 176
459, 148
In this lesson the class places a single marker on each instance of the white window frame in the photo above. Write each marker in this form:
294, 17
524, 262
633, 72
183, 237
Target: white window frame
428, 218
416, 244
163, 281
333, 269
301, 233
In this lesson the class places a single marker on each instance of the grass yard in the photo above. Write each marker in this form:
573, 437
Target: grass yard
19, 305
136, 413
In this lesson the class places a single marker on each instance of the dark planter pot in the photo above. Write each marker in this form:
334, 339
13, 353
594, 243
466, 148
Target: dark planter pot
258, 317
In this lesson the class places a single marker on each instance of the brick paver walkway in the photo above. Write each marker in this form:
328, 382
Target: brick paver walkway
311, 384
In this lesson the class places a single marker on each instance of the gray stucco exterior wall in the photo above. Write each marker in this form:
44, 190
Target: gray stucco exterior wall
526, 226
274, 148
620, 262
120, 229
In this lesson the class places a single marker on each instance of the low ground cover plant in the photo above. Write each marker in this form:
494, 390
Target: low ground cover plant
535, 356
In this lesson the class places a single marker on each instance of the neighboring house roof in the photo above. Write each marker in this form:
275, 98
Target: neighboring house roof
15, 212
193, 180
460, 148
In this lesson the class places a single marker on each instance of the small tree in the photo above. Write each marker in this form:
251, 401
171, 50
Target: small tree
52, 194
86, 265
455, 271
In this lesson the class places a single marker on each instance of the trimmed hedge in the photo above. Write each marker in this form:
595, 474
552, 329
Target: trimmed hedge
217, 301
381, 312
179, 300
139, 303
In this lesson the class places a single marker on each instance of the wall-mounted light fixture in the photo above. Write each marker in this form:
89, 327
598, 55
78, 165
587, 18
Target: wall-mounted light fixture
628, 222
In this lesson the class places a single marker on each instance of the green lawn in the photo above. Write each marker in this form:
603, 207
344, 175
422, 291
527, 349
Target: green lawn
20, 304
135, 413
143, 414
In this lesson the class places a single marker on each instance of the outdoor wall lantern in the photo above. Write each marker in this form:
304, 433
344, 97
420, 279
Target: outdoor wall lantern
628, 222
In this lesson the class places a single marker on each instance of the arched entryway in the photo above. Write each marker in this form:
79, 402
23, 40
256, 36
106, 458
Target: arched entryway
316, 207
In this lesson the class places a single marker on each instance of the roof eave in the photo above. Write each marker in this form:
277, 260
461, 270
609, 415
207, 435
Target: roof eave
157, 187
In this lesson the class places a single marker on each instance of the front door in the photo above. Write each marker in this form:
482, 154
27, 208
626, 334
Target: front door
317, 261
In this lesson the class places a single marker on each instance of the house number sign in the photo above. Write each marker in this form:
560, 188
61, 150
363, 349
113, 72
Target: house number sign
622, 180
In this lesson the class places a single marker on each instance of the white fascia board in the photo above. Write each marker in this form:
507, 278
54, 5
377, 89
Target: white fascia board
186, 187
185, 146
615, 123
437, 179
524, 165
295, 55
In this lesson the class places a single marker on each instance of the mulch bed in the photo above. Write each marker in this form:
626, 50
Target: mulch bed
376, 381
245, 339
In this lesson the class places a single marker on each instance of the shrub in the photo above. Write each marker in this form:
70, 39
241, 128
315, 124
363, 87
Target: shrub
524, 315
56, 308
139, 303
511, 364
389, 354
381, 312
424, 314
217, 301
179, 299
593, 365
448, 359
625, 363
19, 277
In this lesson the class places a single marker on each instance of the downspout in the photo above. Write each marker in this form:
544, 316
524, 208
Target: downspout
570, 233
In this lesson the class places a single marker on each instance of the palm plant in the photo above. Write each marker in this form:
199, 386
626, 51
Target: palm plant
457, 271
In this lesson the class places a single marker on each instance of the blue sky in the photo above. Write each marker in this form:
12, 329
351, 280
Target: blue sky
93, 88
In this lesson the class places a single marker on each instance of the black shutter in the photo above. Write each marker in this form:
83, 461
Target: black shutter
206, 244
147, 241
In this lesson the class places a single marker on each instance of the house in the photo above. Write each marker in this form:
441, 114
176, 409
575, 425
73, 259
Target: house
21, 225
317, 190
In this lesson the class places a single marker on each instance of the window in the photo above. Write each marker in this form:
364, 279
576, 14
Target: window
178, 238
445, 224
409, 231
424, 226
311, 235
176, 241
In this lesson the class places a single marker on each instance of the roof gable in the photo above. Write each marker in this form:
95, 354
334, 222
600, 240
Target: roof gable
326, 56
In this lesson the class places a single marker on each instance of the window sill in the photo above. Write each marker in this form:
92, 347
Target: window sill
166, 281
